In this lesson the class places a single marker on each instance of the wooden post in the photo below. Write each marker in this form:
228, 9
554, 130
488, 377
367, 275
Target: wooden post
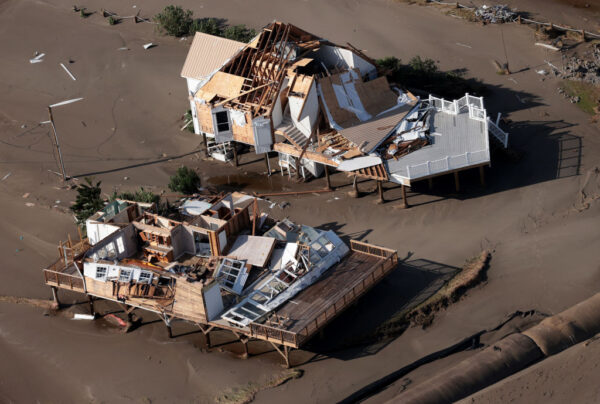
519, 19
286, 355
380, 191
267, 164
169, 331
355, 191
297, 164
582, 35
482, 175
205, 142
404, 201
235, 155
55, 297
245, 343
430, 183
207, 336
456, 181
327, 179
91, 302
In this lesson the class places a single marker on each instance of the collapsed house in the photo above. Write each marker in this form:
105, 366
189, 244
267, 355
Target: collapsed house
220, 264
319, 105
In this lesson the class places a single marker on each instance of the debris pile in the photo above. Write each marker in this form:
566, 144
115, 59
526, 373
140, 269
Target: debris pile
586, 69
495, 14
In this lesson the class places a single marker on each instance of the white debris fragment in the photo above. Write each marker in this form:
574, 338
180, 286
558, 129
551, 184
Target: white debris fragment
124, 48
68, 72
542, 72
547, 46
149, 45
6, 176
79, 316
38, 58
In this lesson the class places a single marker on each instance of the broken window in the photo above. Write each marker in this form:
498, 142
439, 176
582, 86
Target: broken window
101, 273
232, 275
222, 119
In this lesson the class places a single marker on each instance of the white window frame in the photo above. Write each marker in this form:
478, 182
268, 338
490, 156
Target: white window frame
125, 278
100, 268
145, 277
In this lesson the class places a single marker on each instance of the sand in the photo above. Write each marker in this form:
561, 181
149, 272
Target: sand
544, 243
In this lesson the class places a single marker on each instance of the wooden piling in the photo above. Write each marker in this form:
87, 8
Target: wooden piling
327, 179
482, 175
380, 191
267, 164
404, 201
430, 183
456, 181
205, 142
235, 155
55, 297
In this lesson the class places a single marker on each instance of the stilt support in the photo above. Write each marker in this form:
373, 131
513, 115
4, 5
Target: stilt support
456, 181
380, 191
482, 175
268, 165
404, 201
91, 302
327, 179
235, 155
430, 183
206, 331
205, 142
55, 297
355, 191
284, 351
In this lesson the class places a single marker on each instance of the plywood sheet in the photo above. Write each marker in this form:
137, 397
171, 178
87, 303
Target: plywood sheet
222, 84
255, 250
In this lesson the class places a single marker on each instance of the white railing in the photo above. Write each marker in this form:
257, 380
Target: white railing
498, 133
448, 163
474, 105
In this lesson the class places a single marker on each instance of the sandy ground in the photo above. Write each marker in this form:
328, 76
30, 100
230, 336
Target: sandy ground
545, 242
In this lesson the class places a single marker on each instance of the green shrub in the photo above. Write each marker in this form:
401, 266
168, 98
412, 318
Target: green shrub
140, 195
185, 181
174, 20
209, 26
239, 33
187, 117
112, 20
88, 200
424, 74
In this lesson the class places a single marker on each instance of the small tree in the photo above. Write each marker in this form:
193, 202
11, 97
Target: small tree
88, 200
210, 26
239, 33
174, 20
141, 195
185, 181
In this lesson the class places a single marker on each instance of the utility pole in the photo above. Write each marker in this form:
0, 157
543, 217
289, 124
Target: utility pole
62, 164
56, 143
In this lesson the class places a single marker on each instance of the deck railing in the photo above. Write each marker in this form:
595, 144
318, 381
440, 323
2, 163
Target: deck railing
474, 105
359, 288
447, 163
62, 280
273, 334
370, 249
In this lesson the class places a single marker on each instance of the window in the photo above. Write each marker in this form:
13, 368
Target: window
125, 275
145, 277
222, 119
101, 273
120, 245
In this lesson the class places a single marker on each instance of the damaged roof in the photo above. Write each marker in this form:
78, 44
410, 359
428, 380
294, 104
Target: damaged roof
197, 65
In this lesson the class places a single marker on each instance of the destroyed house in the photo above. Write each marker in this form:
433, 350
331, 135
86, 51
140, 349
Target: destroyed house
221, 264
318, 104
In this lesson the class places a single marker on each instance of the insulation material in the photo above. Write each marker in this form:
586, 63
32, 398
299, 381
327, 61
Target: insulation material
345, 59
237, 117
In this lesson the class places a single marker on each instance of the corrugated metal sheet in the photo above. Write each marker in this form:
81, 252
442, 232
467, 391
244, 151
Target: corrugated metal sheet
207, 54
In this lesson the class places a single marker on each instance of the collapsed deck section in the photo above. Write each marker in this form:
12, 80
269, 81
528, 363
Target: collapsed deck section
293, 323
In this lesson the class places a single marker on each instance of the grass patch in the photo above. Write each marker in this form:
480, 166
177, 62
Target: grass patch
589, 95
471, 274
246, 393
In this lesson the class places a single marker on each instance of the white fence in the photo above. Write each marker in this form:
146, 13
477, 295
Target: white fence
449, 163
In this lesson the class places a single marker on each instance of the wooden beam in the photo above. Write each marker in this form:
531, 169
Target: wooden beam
404, 201
241, 94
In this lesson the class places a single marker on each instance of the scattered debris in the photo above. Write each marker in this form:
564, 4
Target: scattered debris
37, 58
26, 195
149, 45
6, 176
68, 72
79, 316
542, 72
123, 48
495, 14
547, 46
464, 46
29, 204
